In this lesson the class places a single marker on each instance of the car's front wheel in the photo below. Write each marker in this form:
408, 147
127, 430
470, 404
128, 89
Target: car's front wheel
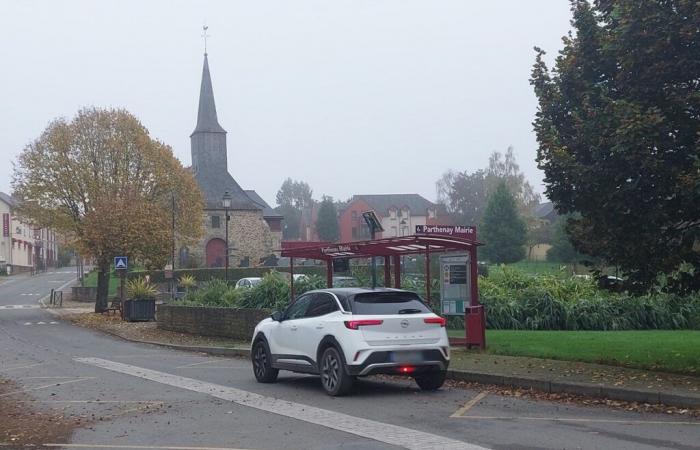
262, 363
334, 378
431, 381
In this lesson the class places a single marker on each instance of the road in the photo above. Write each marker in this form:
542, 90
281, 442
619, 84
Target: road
146, 397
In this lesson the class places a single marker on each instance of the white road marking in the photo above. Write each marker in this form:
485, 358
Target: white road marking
370, 429
41, 323
48, 386
467, 406
19, 306
22, 367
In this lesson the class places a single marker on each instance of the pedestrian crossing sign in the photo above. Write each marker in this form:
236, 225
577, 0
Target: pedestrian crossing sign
121, 262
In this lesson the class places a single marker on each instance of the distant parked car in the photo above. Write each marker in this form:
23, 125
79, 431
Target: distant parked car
249, 282
345, 282
610, 283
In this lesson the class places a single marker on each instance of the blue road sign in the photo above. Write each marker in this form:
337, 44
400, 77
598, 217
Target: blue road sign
121, 262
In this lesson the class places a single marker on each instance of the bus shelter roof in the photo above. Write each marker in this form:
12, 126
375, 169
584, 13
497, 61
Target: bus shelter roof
406, 245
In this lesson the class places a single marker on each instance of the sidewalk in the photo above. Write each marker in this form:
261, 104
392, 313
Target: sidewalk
542, 375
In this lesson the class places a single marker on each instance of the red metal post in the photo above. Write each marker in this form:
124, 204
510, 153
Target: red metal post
329, 273
291, 278
397, 271
387, 271
474, 271
427, 273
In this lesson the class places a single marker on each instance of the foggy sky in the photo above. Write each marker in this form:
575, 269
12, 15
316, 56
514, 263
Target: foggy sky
352, 96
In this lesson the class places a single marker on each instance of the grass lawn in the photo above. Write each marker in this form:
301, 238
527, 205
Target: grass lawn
665, 350
91, 281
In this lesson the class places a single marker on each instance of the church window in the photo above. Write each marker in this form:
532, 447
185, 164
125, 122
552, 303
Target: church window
215, 222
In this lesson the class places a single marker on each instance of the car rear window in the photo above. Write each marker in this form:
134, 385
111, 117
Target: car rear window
388, 303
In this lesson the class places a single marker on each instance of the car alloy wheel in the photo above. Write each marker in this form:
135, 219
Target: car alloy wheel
330, 371
260, 360
262, 366
334, 378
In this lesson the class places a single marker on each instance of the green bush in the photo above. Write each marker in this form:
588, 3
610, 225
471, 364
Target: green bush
234, 274
513, 299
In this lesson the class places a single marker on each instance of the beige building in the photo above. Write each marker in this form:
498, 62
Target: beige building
22, 246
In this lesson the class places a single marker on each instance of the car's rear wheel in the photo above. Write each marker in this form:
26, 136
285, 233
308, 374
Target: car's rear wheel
431, 381
334, 378
262, 363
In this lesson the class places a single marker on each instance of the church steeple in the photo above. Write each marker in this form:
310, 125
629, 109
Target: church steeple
209, 161
207, 121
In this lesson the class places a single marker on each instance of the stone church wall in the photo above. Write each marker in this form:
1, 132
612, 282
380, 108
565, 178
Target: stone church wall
249, 236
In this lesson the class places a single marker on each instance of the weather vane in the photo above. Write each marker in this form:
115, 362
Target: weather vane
205, 36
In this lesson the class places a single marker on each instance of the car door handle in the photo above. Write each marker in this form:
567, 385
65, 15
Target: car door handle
293, 328
319, 327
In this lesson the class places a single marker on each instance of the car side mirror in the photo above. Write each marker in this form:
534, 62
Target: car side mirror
276, 316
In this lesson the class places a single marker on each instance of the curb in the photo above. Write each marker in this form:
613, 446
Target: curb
548, 386
583, 389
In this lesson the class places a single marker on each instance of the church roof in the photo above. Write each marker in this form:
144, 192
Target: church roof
207, 120
214, 184
267, 210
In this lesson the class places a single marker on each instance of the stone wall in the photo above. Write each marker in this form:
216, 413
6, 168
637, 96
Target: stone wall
249, 236
210, 321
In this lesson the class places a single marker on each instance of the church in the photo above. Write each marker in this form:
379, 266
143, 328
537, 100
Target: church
254, 229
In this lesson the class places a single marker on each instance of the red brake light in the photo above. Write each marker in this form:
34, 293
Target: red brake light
439, 320
356, 324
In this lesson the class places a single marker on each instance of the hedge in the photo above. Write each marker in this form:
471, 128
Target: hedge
234, 274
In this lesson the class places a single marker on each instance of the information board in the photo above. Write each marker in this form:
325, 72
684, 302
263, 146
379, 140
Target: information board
455, 288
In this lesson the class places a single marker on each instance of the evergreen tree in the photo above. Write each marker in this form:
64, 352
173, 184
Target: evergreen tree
327, 220
617, 126
503, 230
562, 249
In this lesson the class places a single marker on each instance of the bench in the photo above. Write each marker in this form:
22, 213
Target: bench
115, 305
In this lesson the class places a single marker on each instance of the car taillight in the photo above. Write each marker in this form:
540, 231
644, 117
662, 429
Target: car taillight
356, 324
439, 320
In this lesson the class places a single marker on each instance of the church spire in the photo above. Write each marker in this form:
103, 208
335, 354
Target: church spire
206, 117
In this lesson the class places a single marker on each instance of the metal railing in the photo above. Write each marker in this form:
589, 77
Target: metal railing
56, 298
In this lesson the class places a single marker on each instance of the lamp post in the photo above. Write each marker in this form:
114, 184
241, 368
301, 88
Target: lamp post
226, 201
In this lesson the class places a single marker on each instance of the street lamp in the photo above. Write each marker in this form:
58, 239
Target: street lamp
226, 201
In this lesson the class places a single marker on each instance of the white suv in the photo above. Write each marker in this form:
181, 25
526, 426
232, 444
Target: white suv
346, 333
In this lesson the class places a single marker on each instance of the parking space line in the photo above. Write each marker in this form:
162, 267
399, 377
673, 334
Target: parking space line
585, 420
358, 426
198, 363
47, 386
467, 406
22, 367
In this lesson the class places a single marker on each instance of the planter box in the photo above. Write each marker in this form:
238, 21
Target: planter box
211, 321
139, 310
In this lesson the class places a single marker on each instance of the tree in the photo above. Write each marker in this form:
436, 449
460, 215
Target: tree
503, 231
538, 232
618, 128
102, 180
562, 249
327, 220
504, 168
295, 193
465, 195
293, 197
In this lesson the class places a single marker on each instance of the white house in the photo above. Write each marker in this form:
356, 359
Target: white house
22, 246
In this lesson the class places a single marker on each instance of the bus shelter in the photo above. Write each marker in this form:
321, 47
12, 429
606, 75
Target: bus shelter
391, 250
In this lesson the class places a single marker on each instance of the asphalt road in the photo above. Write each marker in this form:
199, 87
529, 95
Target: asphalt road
147, 397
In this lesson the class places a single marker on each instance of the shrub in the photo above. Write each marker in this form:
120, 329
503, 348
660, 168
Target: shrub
140, 289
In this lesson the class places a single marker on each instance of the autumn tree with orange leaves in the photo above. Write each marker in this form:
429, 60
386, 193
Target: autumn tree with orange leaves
103, 180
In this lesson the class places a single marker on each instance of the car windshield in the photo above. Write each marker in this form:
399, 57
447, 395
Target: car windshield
373, 303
